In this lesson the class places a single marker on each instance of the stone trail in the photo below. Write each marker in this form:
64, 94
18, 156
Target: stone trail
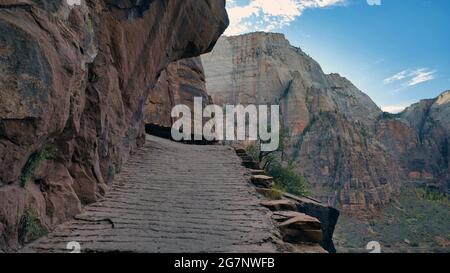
172, 197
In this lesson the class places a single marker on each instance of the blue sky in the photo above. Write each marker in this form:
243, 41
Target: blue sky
396, 51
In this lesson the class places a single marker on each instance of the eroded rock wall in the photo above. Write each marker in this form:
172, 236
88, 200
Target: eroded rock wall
419, 138
73, 84
179, 84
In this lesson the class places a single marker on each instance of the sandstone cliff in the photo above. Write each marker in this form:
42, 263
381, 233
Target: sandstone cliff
419, 138
73, 83
330, 123
179, 83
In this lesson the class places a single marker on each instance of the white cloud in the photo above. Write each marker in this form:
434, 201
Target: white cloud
394, 109
411, 77
422, 75
397, 77
268, 15
374, 2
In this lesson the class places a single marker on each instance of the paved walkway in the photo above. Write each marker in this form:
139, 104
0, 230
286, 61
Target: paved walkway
172, 197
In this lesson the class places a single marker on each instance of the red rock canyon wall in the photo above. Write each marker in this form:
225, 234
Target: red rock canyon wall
73, 83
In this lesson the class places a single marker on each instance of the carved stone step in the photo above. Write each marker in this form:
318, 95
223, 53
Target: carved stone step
328, 216
280, 205
283, 216
240, 152
258, 172
262, 181
250, 164
300, 228
247, 158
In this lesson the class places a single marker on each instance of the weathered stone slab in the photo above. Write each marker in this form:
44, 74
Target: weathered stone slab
301, 228
258, 172
250, 164
280, 205
327, 215
262, 181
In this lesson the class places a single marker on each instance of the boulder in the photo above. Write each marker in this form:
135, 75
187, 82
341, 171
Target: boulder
297, 235
257, 172
298, 227
262, 181
327, 215
280, 205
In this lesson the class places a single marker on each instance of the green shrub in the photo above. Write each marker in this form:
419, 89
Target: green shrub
30, 227
253, 151
432, 195
287, 178
90, 25
276, 193
273, 194
33, 163
279, 187
364, 132
111, 174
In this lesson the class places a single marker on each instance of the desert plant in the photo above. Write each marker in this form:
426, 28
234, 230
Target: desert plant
273, 194
111, 174
90, 25
30, 227
253, 151
33, 163
288, 179
276, 192
279, 187
432, 195
265, 158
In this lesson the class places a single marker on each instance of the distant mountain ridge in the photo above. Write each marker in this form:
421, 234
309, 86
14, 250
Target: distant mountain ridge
419, 137
339, 139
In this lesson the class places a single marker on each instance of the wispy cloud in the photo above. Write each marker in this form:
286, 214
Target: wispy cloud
269, 15
397, 77
412, 77
422, 75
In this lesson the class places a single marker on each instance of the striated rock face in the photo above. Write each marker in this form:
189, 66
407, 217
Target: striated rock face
419, 138
330, 123
179, 83
73, 84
